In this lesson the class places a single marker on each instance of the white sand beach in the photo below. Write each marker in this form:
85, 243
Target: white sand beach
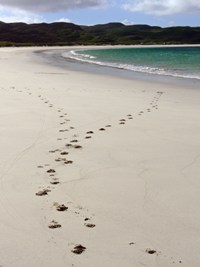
122, 156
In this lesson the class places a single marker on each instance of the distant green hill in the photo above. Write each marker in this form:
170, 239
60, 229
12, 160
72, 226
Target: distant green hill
60, 33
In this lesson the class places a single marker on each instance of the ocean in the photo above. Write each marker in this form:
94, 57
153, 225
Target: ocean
168, 61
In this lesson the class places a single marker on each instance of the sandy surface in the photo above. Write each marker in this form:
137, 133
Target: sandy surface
132, 189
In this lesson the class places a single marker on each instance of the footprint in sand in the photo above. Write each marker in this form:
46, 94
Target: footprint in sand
73, 146
64, 153
129, 116
54, 182
42, 192
74, 141
77, 146
78, 249
150, 251
122, 120
61, 207
51, 171
53, 225
69, 145
52, 151
68, 162
90, 225
60, 159
40, 166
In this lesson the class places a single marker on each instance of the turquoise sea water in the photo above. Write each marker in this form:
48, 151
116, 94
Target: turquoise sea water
172, 61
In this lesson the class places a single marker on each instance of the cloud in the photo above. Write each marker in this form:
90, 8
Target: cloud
15, 15
127, 22
51, 5
163, 7
62, 20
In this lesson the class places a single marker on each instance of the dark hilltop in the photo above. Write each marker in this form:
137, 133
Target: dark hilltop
61, 33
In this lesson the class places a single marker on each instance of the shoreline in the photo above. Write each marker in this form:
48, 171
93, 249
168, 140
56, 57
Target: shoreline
121, 155
55, 57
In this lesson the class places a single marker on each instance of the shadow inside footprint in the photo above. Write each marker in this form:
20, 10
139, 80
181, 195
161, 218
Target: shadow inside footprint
51, 171
68, 162
90, 225
64, 153
52, 151
78, 249
54, 182
77, 146
89, 132
68, 145
53, 225
74, 141
61, 207
42, 192
151, 251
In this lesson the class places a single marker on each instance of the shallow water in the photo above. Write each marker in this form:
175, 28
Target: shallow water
168, 61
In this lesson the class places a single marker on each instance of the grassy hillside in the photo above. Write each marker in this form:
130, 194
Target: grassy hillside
61, 33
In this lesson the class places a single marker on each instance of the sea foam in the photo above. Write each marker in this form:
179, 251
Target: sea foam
130, 67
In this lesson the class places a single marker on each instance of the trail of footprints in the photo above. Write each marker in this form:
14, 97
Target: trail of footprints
75, 144
64, 153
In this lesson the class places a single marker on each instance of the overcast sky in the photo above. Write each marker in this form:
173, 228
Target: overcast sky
88, 12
